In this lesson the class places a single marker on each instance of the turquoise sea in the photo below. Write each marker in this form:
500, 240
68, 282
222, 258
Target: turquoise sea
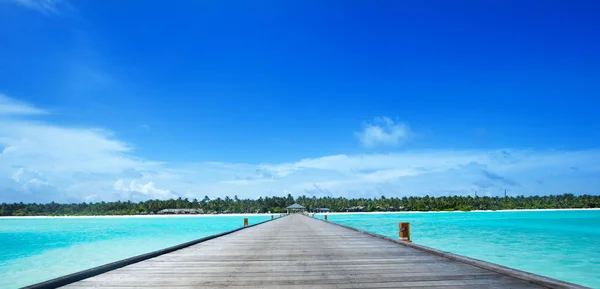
37, 249
560, 244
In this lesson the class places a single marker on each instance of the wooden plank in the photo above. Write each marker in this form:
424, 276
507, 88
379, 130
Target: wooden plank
331, 286
268, 282
299, 252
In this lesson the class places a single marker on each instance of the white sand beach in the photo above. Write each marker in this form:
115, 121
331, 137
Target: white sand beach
458, 212
146, 216
277, 214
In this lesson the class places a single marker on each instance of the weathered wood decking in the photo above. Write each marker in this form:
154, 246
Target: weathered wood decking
300, 252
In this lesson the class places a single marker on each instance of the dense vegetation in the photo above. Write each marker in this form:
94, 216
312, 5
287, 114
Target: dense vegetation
278, 204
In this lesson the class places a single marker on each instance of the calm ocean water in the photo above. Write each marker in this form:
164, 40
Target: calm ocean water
37, 249
560, 244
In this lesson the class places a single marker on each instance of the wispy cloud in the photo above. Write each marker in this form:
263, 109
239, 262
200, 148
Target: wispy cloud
383, 131
42, 162
144, 127
44, 6
501, 179
11, 106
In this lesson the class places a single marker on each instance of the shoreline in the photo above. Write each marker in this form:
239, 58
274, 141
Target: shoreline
474, 211
143, 216
275, 214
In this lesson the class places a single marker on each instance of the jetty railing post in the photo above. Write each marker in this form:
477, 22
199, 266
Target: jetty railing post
325, 217
245, 222
404, 231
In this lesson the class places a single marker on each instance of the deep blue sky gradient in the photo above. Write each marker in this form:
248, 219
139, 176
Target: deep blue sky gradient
275, 81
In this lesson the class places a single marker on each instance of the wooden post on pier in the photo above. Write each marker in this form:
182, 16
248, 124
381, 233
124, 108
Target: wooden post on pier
325, 217
245, 222
404, 231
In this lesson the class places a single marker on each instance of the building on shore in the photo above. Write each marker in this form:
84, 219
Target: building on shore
321, 210
355, 209
180, 211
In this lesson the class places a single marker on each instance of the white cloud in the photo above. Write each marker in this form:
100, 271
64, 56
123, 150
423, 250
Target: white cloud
42, 162
35, 185
10, 106
383, 131
91, 198
44, 6
148, 190
433, 172
46, 162
46, 147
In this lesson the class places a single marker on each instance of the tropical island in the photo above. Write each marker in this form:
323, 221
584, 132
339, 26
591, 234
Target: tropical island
278, 205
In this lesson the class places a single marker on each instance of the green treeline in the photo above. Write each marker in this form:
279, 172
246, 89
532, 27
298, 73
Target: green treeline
278, 204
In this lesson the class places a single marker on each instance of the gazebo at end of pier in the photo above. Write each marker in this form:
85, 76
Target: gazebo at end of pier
295, 208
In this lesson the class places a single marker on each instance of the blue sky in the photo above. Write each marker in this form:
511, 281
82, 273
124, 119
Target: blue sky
106, 100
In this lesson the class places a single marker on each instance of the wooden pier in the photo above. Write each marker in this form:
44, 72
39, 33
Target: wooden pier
301, 252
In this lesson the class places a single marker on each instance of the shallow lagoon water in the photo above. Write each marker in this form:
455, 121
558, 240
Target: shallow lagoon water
560, 244
37, 249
